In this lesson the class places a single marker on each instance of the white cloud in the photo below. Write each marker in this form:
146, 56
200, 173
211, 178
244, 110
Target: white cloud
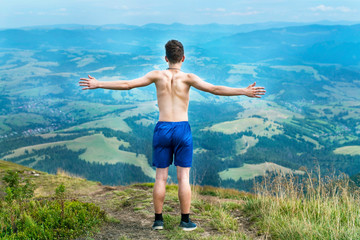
142, 13
344, 9
212, 10
323, 8
223, 12
220, 10
242, 13
123, 7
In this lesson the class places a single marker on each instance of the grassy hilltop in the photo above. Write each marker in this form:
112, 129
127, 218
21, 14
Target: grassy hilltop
281, 208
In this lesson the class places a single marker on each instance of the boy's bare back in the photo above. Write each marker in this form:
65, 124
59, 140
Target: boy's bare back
172, 89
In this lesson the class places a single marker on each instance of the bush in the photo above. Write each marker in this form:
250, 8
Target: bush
53, 218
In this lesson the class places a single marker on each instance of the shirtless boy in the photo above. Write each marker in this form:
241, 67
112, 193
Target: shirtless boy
172, 133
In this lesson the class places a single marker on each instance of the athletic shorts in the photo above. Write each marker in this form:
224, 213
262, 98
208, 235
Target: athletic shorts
172, 140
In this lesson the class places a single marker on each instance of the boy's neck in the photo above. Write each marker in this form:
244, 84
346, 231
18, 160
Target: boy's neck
175, 66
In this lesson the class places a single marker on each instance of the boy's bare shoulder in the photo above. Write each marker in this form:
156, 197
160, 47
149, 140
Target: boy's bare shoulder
190, 77
156, 72
160, 74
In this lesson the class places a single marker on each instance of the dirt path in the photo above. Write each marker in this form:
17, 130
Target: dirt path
131, 211
126, 223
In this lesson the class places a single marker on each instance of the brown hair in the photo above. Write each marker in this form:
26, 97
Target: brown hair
174, 51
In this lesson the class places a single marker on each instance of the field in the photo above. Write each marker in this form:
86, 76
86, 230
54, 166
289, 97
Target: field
266, 109
98, 149
352, 150
3, 127
92, 109
24, 119
299, 68
258, 126
247, 69
244, 143
249, 171
317, 145
110, 121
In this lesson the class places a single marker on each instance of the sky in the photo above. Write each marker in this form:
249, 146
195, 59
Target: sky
20, 13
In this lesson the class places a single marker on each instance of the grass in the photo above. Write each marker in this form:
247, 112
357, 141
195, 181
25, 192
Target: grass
3, 127
249, 171
91, 109
317, 208
113, 122
142, 108
50, 135
266, 109
283, 207
299, 68
215, 220
244, 69
352, 150
317, 145
98, 149
46, 183
145, 122
342, 91
223, 193
244, 143
57, 216
24, 119
258, 126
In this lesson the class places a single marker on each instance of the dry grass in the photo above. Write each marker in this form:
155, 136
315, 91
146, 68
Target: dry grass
315, 208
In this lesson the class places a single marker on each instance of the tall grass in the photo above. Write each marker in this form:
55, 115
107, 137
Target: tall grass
313, 207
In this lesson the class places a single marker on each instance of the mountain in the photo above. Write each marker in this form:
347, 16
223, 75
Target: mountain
309, 116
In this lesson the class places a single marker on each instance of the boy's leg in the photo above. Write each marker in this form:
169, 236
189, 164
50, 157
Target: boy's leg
185, 198
160, 188
183, 174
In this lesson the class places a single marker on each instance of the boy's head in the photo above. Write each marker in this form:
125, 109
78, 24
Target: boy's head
174, 51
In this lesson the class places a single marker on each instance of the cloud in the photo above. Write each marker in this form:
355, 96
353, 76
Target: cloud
323, 8
218, 12
212, 10
122, 7
242, 13
142, 13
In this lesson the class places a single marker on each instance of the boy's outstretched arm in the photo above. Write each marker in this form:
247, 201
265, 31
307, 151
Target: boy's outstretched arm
92, 83
250, 91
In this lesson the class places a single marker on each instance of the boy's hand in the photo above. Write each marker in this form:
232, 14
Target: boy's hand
252, 91
89, 83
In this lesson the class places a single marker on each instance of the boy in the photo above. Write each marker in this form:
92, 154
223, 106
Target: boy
172, 133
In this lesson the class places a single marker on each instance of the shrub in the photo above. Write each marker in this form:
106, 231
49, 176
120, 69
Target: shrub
53, 218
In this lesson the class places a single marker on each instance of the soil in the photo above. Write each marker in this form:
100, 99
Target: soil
130, 224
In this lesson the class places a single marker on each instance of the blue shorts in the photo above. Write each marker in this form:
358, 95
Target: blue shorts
172, 139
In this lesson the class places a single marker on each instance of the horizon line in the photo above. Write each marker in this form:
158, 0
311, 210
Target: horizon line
325, 22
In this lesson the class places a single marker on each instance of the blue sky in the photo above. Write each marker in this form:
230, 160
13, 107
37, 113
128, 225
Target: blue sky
17, 13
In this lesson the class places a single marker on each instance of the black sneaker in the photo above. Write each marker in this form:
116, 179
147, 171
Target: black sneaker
158, 225
188, 226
